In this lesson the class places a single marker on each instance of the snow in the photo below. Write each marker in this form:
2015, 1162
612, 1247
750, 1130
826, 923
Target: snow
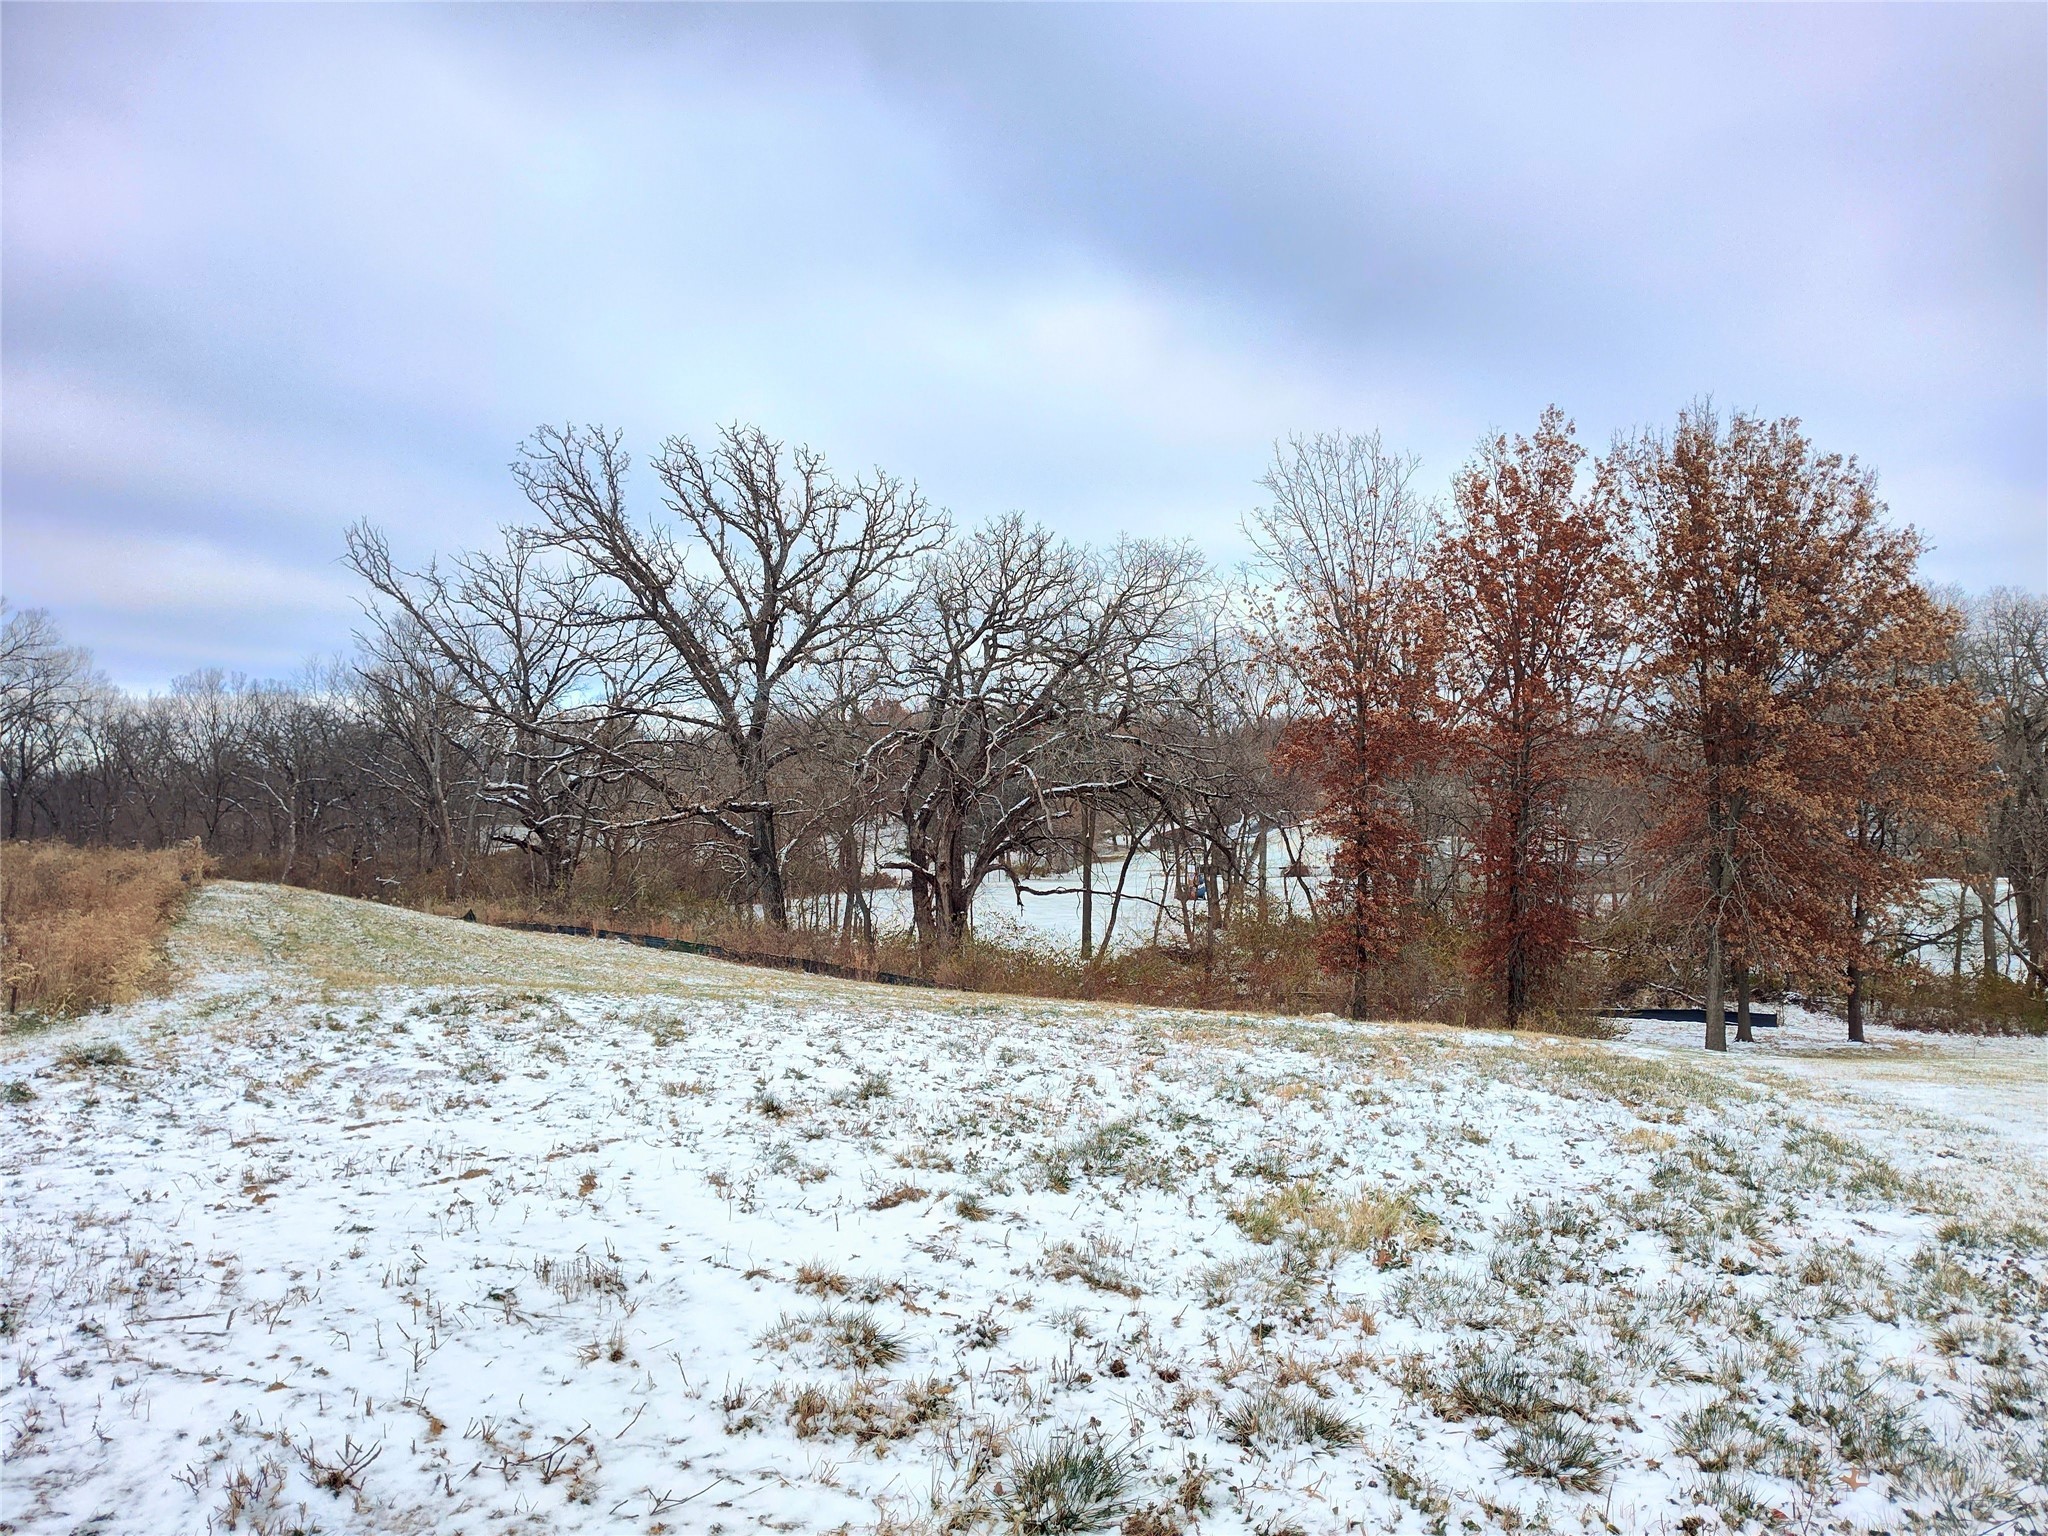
1046, 910
396, 1224
1989, 1084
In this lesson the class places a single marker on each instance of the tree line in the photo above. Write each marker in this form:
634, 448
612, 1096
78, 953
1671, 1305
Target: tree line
1681, 718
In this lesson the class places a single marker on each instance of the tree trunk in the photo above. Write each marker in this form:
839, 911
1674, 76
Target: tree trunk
1087, 880
444, 821
765, 857
958, 904
1742, 1031
1987, 924
2027, 908
924, 916
1123, 873
1717, 1020
850, 878
291, 844
18, 794
1856, 969
1211, 878
1515, 991
939, 902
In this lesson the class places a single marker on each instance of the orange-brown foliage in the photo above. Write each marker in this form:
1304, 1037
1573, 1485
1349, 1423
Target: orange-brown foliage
83, 927
1789, 650
1362, 643
1531, 578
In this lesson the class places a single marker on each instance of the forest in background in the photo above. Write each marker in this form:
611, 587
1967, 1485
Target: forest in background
1680, 722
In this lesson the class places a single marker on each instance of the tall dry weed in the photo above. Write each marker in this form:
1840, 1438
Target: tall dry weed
83, 927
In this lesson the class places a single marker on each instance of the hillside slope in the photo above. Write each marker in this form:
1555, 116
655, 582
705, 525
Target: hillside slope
387, 1223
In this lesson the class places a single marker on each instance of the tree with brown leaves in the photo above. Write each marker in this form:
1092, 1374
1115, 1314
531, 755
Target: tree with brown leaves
1344, 535
1907, 749
1776, 602
1532, 581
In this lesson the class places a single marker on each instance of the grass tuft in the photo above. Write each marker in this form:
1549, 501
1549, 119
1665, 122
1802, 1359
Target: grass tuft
850, 1336
821, 1279
1389, 1227
580, 1275
1098, 1265
1495, 1385
1070, 1484
901, 1194
867, 1410
1287, 1419
1553, 1449
93, 1053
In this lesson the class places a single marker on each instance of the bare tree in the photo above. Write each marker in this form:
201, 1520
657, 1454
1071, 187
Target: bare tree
2005, 657
424, 747
45, 688
297, 759
1019, 650
211, 718
768, 569
518, 642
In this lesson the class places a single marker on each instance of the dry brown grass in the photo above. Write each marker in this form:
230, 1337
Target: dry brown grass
84, 927
1269, 968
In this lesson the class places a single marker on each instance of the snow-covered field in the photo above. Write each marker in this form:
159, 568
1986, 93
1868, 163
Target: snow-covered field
387, 1223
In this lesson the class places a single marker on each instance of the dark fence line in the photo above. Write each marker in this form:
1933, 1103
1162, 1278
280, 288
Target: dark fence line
1757, 1016
720, 952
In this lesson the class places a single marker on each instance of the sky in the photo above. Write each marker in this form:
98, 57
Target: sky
265, 270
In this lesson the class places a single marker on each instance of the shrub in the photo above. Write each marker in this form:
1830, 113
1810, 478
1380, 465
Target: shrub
1912, 997
1252, 965
82, 928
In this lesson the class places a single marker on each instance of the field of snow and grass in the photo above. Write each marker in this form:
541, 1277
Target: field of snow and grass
388, 1223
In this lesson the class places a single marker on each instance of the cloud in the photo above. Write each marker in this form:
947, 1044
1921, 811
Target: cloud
177, 579
139, 452
271, 269
160, 605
